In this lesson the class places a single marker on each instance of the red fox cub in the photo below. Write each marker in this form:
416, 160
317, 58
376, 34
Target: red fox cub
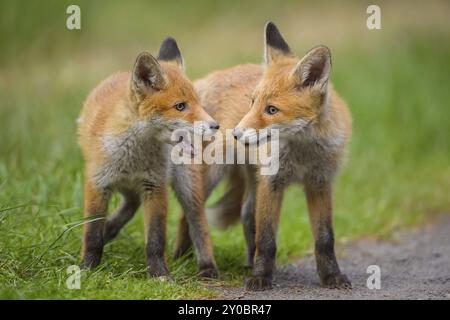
125, 132
293, 96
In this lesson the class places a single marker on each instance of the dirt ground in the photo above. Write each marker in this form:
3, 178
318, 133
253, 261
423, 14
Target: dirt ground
413, 264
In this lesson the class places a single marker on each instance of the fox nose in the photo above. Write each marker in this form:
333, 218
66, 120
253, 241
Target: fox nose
237, 133
214, 126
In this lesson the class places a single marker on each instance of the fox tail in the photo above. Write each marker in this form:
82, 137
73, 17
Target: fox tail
227, 210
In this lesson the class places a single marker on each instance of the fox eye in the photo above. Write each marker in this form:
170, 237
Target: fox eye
180, 106
271, 110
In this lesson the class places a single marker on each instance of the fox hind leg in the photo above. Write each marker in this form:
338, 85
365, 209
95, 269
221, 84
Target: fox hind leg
122, 215
248, 217
183, 241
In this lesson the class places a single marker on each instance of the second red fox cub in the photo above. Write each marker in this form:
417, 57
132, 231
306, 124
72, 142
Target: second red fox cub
124, 132
294, 96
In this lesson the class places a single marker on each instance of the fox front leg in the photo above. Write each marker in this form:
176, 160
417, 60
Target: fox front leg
268, 206
188, 187
211, 176
155, 217
319, 199
95, 208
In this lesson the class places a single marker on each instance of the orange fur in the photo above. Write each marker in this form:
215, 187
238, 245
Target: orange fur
315, 128
111, 108
124, 130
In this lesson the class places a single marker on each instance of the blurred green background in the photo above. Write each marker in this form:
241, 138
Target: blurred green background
395, 80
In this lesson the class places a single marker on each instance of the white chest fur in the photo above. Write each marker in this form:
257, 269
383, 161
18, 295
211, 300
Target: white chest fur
134, 157
306, 160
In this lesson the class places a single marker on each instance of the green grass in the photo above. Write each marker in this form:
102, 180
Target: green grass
397, 173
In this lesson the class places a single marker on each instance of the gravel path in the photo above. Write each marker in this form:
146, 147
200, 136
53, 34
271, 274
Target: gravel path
414, 265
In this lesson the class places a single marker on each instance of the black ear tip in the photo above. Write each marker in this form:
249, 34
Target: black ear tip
169, 41
169, 50
270, 26
275, 39
271, 31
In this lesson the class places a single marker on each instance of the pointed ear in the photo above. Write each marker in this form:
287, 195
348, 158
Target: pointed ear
275, 46
170, 52
314, 69
147, 76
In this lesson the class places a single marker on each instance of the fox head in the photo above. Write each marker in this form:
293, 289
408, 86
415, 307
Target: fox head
292, 92
164, 97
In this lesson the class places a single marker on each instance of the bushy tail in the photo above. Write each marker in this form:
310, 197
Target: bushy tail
227, 210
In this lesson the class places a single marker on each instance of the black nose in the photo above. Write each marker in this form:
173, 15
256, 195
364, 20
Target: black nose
214, 126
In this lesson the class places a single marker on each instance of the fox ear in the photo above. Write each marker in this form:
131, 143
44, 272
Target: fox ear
170, 52
314, 69
147, 75
275, 46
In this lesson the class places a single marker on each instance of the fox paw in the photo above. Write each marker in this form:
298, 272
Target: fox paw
337, 281
158, 270
167, 278
90, 261
208, 273
258, 284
